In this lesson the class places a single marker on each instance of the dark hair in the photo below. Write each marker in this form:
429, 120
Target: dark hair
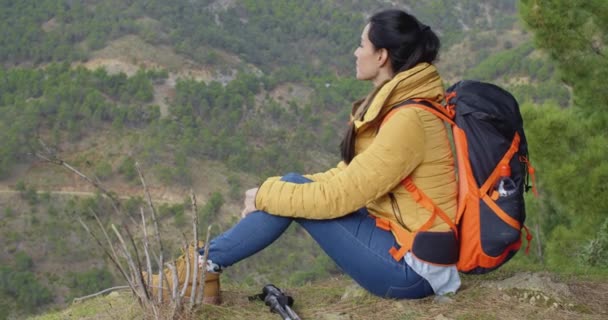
408, 43
407, 40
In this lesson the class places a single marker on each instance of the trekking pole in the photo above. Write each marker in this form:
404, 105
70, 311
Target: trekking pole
275, 306
278, 302
292, 314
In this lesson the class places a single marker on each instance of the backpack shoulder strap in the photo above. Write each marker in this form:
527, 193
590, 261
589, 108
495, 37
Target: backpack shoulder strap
420, 197
428, 105
425, 201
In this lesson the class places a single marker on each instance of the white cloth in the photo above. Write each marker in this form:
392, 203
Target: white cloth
443, 279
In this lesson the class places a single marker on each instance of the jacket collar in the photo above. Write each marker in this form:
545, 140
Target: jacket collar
422, 82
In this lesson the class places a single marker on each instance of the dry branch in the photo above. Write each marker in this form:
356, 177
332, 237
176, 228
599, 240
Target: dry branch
134, 273
154, 220
174, 294
112, 258
195, 233
146, 249
539, 244
174, 283
118, 264
127, 255
139, 275
199, 296
187, 277
53, 159
79, 299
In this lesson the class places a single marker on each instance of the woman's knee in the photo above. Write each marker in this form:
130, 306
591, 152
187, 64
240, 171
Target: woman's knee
295, 178
420, 289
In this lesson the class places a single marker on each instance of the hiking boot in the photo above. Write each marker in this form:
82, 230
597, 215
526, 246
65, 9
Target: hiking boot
211, 291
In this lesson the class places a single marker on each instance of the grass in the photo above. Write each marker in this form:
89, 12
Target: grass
324, 300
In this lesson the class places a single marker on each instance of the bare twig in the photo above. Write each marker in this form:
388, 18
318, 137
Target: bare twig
130, 262
539, 245
48, 150
154, 220
146, 250
103, 229
187, 277
113, 258
176, 298
133, 272
195, 232
136, 272
79, 299
199, 297
175, 283
139, 272
60, 162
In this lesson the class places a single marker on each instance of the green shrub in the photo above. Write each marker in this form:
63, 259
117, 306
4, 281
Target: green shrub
31, 196
234, 183
20, 186
103, 170
52, 211
170, 210
45, 196
128, 170
595, 252
211, 208
24, 288
27, 193
23, 262
87, 282
9, 212
5, 308
132, 205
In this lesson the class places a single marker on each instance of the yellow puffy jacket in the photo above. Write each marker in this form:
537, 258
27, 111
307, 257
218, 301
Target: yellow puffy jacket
413, 142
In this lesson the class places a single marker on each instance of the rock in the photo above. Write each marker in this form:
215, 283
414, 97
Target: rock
353, 291
336, 316
113, 294
506, 297
537, 282
442, 300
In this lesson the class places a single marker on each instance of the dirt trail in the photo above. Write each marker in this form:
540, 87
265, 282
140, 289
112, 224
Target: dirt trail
83, 194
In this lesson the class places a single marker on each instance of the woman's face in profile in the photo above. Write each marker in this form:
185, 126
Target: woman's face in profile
368, 58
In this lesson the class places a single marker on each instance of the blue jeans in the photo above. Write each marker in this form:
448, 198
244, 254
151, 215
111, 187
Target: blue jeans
354, 242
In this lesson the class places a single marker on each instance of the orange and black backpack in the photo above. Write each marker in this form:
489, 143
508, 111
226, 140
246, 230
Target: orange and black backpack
489, 139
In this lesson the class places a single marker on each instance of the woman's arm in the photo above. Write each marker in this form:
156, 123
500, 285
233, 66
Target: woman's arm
395, 152
322, 176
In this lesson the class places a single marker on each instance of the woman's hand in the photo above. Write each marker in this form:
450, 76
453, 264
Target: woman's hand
249, 202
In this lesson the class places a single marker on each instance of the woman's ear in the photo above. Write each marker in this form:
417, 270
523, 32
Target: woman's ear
383, 57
